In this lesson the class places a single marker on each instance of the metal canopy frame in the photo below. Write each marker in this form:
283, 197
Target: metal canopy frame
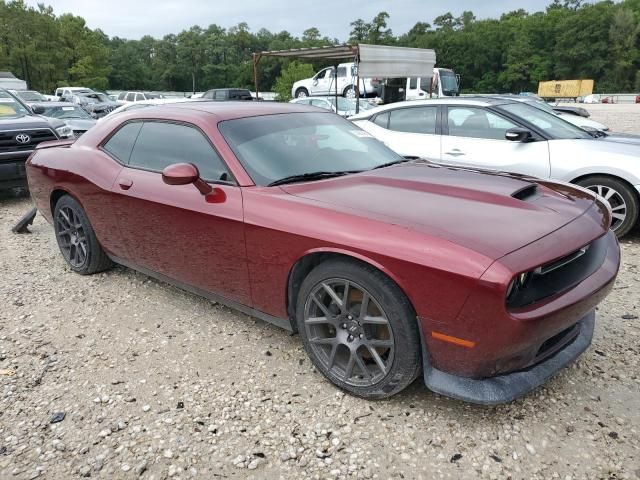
378, 60
333, 52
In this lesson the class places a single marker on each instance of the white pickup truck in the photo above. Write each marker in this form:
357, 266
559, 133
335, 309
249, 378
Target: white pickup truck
324, 83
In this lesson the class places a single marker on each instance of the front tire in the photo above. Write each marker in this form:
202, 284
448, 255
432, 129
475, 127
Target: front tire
76, 239
623, 200
302, 92
359, 329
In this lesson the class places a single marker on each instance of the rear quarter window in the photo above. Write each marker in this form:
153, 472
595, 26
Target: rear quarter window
121, 143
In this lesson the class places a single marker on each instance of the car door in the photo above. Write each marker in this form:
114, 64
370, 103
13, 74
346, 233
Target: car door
475, 136
321, 82
409, 131
174, 230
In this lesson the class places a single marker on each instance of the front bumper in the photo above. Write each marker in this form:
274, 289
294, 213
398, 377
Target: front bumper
12, 171
508, 387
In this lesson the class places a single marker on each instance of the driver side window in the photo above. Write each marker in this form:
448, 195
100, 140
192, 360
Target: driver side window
475, 122
160, 144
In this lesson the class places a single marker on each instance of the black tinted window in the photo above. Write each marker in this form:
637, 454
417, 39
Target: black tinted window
130, 97
414, 120
161, 144
342, 71
121, 143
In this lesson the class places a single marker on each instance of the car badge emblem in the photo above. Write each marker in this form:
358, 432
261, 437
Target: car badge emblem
23, 138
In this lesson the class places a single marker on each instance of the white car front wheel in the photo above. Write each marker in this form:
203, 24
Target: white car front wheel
623, 201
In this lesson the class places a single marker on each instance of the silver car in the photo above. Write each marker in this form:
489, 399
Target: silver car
512, 136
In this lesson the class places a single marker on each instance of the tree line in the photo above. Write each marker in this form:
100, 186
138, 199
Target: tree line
570, 39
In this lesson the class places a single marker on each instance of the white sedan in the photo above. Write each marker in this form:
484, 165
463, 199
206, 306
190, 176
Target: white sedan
508, 135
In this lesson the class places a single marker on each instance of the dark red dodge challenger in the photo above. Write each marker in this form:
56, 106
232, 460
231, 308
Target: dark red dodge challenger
387, 267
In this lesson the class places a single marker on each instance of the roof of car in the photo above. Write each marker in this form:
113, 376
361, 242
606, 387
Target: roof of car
476, 101
232, 110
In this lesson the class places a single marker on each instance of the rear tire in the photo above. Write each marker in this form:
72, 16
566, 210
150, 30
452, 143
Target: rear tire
76, 239
368, 345
302, 92
350, 92
623, 200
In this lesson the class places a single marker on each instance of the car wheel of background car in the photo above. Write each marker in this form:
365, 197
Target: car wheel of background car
302, 93
623, 201
350, 92
359, 329
76, 238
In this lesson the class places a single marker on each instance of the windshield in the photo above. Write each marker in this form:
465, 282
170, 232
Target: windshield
273, 147
65, 112
10, 107
544, 106
349, 104
554, 126
95, 97
31, 96
449, 82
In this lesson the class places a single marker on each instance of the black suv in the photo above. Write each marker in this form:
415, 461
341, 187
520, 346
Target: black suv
20, 132
226, 94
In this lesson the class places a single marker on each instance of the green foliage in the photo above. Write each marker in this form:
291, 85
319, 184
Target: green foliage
292, 73
571, 39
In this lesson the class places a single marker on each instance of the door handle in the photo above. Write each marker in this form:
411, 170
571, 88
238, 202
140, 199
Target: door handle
454, 153
125, 183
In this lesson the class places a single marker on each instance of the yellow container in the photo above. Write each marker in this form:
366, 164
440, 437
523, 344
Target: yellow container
565, 88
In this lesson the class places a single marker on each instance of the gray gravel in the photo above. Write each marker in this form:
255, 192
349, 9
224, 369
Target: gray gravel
142, 380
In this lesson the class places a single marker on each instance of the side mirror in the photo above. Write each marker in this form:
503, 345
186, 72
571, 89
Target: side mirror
518, 134
184, 174
38, 109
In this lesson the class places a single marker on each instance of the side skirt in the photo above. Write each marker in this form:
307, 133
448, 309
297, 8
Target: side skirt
277, 321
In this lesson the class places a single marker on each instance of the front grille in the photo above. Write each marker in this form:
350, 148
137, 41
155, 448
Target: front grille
560, 275
8, 142
78, 133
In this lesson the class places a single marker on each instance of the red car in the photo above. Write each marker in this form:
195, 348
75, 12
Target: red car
387, 267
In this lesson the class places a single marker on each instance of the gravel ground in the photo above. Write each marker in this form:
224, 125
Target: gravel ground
621, 118
120, 376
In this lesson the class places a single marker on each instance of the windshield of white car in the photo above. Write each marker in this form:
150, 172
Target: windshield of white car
552, 125
274, 147
95, 97
28, 96
10, 107
65, 112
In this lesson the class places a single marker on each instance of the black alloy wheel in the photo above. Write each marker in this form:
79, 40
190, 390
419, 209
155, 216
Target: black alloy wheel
358, 328
349, 332
76, 239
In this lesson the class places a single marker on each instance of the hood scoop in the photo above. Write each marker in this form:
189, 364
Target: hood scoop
527, 193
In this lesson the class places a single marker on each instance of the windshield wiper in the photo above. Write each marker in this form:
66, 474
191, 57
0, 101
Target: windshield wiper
310, 176
395, 162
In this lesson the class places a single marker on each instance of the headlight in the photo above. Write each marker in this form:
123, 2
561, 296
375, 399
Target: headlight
519, 283
64, 131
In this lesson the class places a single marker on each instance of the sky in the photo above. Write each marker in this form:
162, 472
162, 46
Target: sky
134, 19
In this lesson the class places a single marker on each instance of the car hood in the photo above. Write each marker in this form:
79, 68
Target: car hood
621, 138
27, 122
493, 213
